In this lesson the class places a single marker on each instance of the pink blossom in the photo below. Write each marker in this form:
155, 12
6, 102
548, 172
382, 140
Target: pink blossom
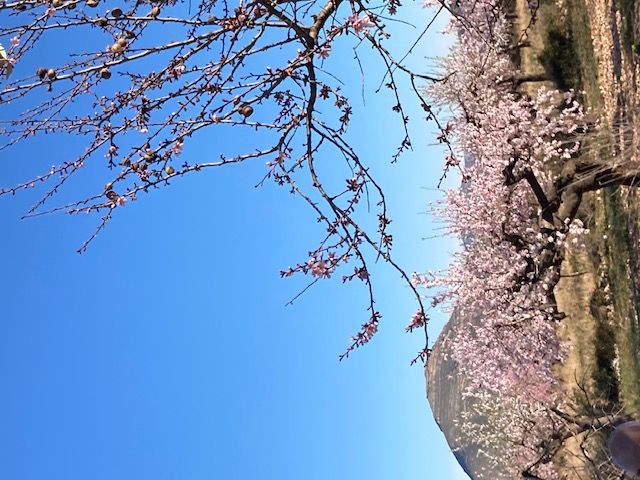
360, 24
176, 71
177, 148
324, 50
418, 320
507, 346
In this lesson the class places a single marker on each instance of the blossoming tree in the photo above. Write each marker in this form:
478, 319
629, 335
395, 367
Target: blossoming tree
140, 79
525, 172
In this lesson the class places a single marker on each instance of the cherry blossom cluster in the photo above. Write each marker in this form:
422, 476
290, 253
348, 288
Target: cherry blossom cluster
517, 439
512, 215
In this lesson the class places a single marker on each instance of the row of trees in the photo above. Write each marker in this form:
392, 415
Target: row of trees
525, 173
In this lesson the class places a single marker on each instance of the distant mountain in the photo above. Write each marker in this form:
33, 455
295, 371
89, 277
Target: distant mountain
445, 385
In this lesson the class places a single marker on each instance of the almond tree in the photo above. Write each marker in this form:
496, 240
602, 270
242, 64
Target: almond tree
138, 80
526, 168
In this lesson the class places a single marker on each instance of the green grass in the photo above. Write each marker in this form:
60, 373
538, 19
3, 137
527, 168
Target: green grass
613, 250
580, 31
560, 60
604, 375
618, 250
568, 54
627, 9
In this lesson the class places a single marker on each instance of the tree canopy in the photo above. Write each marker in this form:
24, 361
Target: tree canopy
148, 77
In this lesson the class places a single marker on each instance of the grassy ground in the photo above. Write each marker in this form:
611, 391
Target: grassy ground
618, 252
603, 304
627, 10
601, 290
612, 352
567, 51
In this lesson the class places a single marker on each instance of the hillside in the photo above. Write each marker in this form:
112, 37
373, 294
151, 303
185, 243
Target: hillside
445, 387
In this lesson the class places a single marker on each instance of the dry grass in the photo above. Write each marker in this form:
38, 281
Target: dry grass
608, 73
577, 331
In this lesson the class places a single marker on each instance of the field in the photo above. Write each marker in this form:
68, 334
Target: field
593, 47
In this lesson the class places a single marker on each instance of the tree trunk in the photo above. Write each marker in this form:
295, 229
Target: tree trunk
529, 78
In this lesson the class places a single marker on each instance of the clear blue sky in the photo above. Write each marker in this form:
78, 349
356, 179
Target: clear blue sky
166, 351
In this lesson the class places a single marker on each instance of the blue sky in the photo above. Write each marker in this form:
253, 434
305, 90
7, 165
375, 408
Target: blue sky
167, 352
